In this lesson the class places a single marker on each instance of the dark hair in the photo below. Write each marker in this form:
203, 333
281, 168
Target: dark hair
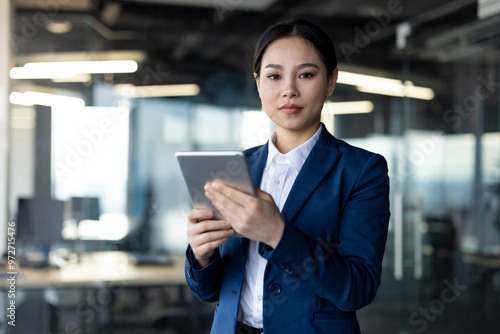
298, 28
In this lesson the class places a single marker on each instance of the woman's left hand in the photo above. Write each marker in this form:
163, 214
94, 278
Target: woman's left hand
255, 217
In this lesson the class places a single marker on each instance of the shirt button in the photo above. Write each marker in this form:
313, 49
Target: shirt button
282, 158
275, 289
277, 181
259, 297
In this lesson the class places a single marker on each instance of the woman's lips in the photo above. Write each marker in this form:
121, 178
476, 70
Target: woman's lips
290, 109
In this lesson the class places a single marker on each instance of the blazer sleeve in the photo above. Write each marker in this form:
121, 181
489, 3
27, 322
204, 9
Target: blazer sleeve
206, 282
346, 273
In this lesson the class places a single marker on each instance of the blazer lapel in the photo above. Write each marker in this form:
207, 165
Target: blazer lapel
257, 162
318, 164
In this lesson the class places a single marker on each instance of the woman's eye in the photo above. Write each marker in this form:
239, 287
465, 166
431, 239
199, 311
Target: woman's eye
273, 76
306, 75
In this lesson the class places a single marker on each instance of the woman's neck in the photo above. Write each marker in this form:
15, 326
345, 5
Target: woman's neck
287, 140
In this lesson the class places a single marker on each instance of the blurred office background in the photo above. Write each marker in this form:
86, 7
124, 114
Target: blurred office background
87, 150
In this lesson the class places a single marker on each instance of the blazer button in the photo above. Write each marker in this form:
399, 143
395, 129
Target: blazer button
275, 289
281, 264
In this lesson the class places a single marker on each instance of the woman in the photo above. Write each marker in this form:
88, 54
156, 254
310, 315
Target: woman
315, 233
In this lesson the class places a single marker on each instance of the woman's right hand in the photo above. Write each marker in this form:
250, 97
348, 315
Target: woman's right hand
206, 235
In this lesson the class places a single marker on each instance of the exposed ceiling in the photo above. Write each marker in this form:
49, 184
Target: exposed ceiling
190, 40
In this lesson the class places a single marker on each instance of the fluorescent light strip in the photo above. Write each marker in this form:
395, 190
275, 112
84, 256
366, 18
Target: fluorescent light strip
415, 92
384, 86
131, 91
51, 100
22, 73
56, 70
352, 107
79, 77
356, 79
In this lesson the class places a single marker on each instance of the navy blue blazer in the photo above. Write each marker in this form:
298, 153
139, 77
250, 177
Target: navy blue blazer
328, 261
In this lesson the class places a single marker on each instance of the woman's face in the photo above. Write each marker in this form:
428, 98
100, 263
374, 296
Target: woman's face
293, 84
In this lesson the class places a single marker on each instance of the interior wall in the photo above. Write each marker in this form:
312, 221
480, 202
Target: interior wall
5, 50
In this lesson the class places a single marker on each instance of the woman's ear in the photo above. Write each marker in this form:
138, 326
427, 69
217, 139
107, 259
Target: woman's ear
332, 81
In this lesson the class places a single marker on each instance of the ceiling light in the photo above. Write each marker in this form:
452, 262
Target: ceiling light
131, 91
30, 98
404, 90
356, 79
54, 70
22, 73
351, 107
58, 26
78, 77
384, 86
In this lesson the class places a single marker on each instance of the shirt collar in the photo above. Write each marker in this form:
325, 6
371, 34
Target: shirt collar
297, 156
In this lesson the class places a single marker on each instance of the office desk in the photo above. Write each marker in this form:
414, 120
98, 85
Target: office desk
102, 270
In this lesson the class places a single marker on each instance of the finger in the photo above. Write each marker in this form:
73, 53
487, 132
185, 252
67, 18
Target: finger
208, 248
199, 214
205, 242
263, 195
224, 204
207, 226
204, 245
229, 192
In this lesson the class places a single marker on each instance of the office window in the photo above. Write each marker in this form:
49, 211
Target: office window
90, 155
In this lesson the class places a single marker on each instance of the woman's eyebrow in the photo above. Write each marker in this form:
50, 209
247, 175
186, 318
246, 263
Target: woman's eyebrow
307, 65
301, 66
275, 66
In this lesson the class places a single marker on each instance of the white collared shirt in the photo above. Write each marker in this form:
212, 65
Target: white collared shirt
279, 175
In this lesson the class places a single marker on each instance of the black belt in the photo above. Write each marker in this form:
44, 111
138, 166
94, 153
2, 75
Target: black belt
242, 328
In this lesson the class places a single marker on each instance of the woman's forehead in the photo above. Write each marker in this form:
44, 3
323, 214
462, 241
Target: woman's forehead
288, 49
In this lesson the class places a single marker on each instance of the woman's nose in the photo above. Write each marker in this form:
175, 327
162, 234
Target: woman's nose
290, 89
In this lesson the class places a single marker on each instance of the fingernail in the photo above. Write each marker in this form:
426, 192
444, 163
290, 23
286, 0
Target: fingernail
215, 185
208, 194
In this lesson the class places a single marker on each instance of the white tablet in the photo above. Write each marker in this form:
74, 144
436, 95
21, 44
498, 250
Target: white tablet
200, 167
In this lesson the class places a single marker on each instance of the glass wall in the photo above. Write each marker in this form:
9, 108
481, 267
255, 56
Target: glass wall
442, 261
